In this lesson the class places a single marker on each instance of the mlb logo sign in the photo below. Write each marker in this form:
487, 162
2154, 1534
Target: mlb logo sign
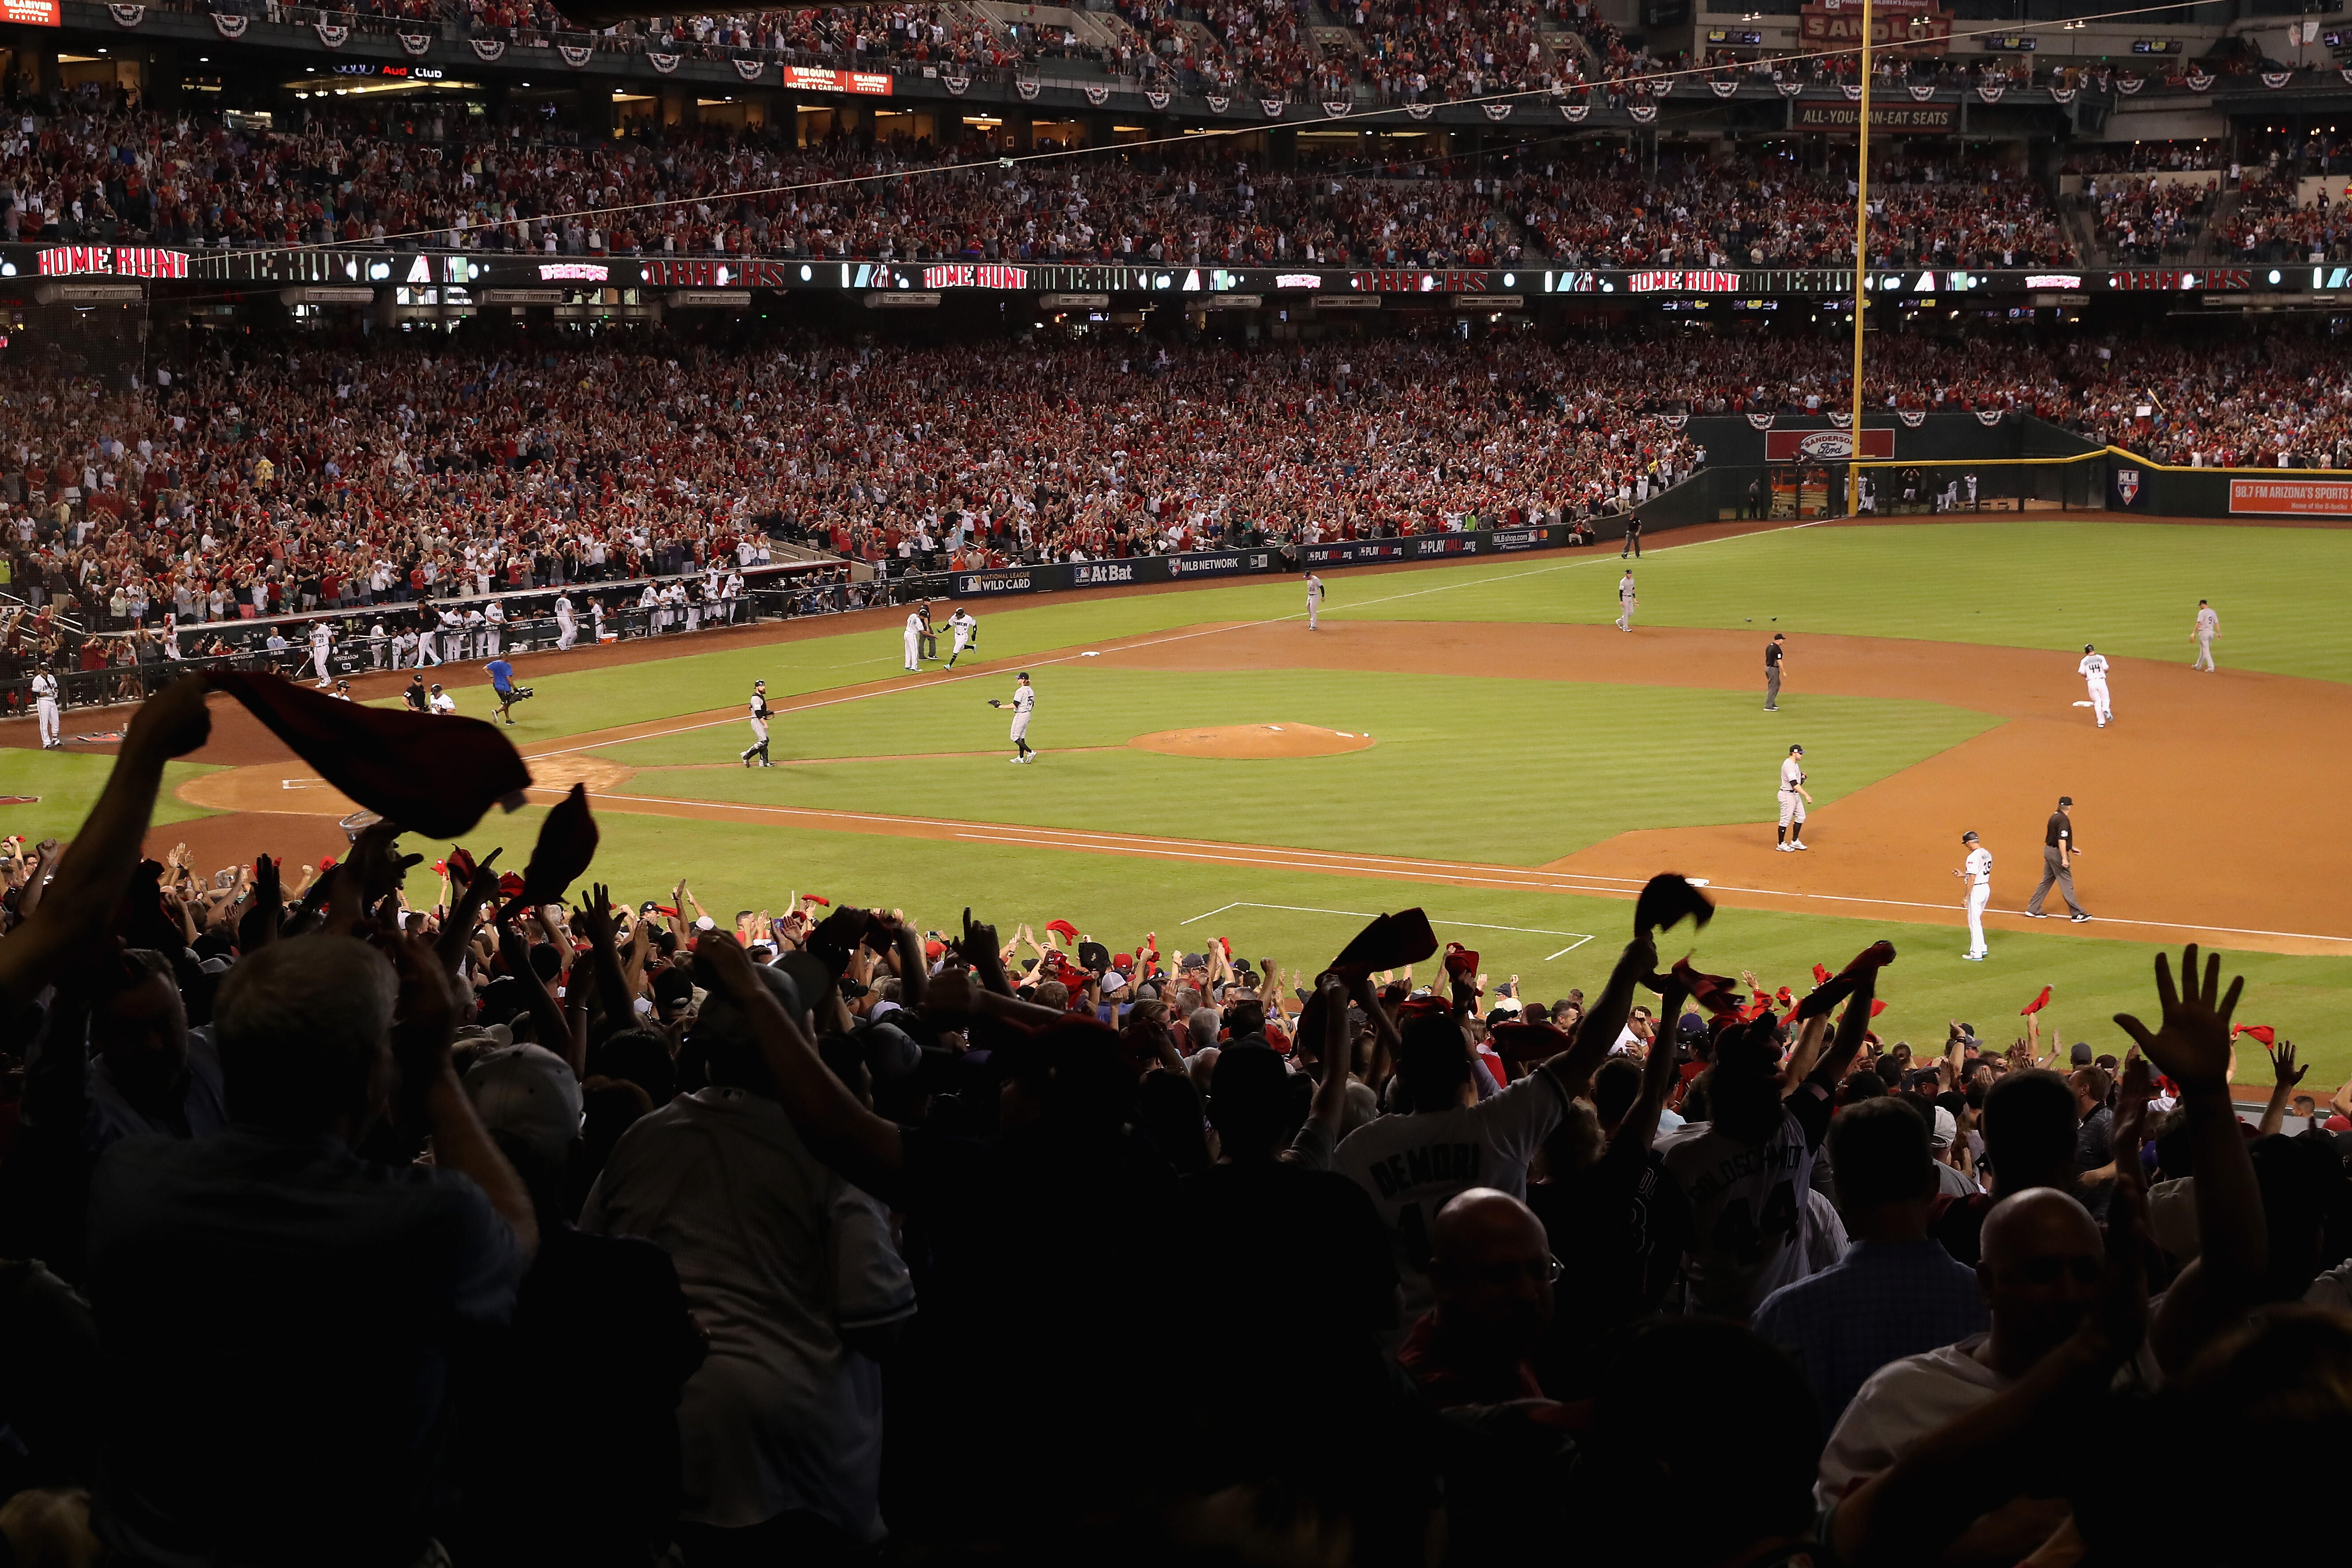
2127, 484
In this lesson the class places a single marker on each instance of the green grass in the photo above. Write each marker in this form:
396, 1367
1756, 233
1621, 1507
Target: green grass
69, 784
1516, 772
1115, 899
2132, 588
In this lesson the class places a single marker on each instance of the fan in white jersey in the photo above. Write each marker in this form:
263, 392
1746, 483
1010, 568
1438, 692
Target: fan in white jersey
1745, 1171
1023, 700
2094, 670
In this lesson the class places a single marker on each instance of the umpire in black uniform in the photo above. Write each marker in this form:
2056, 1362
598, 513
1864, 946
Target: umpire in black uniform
1773, 654
2058, 852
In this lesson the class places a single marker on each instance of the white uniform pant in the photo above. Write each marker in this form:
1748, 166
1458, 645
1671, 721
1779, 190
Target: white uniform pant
497, 638
962, 643
424, 652
375, 652
1019, 727
2205, 656
1314, 604
2099, 704
46, 711
1978, 896
318, 660
1625, 620
567, 631
1793, 810
911, 652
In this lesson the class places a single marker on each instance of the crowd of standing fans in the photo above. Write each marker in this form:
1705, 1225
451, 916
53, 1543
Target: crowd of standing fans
492, 1229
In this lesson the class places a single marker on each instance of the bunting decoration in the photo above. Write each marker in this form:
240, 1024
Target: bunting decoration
333, 36
749, 69
414, 45
663, 63
577, 56
228, 27
1497, 111
489, 49
127, 15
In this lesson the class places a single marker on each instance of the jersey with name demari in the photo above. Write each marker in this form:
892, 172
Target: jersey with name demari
1413, 1165
1750, 1227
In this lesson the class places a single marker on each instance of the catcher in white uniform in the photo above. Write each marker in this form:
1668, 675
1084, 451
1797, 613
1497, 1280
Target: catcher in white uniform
1795, 798
2094, 670
1025, 699
1976, 876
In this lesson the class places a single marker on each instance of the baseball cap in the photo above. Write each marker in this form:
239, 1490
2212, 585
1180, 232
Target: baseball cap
2081, 1055
2065, 800
1796, 751
529, 1093
1946, 1128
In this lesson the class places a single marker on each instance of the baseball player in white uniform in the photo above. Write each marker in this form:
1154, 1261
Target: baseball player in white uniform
966, 629
1976, 875
494, 628
322, 643
2094, 669
1795, 798
759, 714
2208, 627
567, 623
916, 619
1628, 601
376, 644
45, 707
1313, 599
1023, 700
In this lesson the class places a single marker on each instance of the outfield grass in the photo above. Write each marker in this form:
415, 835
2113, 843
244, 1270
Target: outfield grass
1115, 899
2132, 588
1499, 769
68, 783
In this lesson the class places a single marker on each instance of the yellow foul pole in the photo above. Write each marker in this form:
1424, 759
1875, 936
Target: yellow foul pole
1861, 264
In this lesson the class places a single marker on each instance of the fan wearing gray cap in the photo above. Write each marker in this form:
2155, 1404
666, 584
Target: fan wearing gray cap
2058, 851
788, 1269
578, 1409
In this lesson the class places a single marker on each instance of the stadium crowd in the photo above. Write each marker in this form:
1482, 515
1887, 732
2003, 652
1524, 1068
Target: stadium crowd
361, 1218
83, 173
352, 478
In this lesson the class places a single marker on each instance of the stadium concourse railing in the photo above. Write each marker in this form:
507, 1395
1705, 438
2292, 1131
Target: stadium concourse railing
102, 665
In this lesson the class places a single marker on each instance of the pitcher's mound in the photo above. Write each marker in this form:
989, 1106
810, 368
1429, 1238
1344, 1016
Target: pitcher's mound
1252, 742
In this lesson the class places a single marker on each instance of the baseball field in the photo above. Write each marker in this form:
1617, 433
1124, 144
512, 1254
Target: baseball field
1481, 740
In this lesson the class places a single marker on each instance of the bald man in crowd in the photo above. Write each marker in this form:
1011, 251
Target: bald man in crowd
1492, 1269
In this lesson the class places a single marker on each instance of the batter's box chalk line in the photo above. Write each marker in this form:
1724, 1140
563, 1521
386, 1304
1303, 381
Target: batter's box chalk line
1581, 937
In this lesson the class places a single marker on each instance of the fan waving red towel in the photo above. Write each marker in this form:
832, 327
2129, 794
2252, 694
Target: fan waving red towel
2035, 1005
434, 775
2262, 1032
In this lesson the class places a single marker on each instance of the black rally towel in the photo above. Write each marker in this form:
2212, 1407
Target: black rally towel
431, 774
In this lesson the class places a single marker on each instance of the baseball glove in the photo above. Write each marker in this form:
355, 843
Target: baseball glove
992, 702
